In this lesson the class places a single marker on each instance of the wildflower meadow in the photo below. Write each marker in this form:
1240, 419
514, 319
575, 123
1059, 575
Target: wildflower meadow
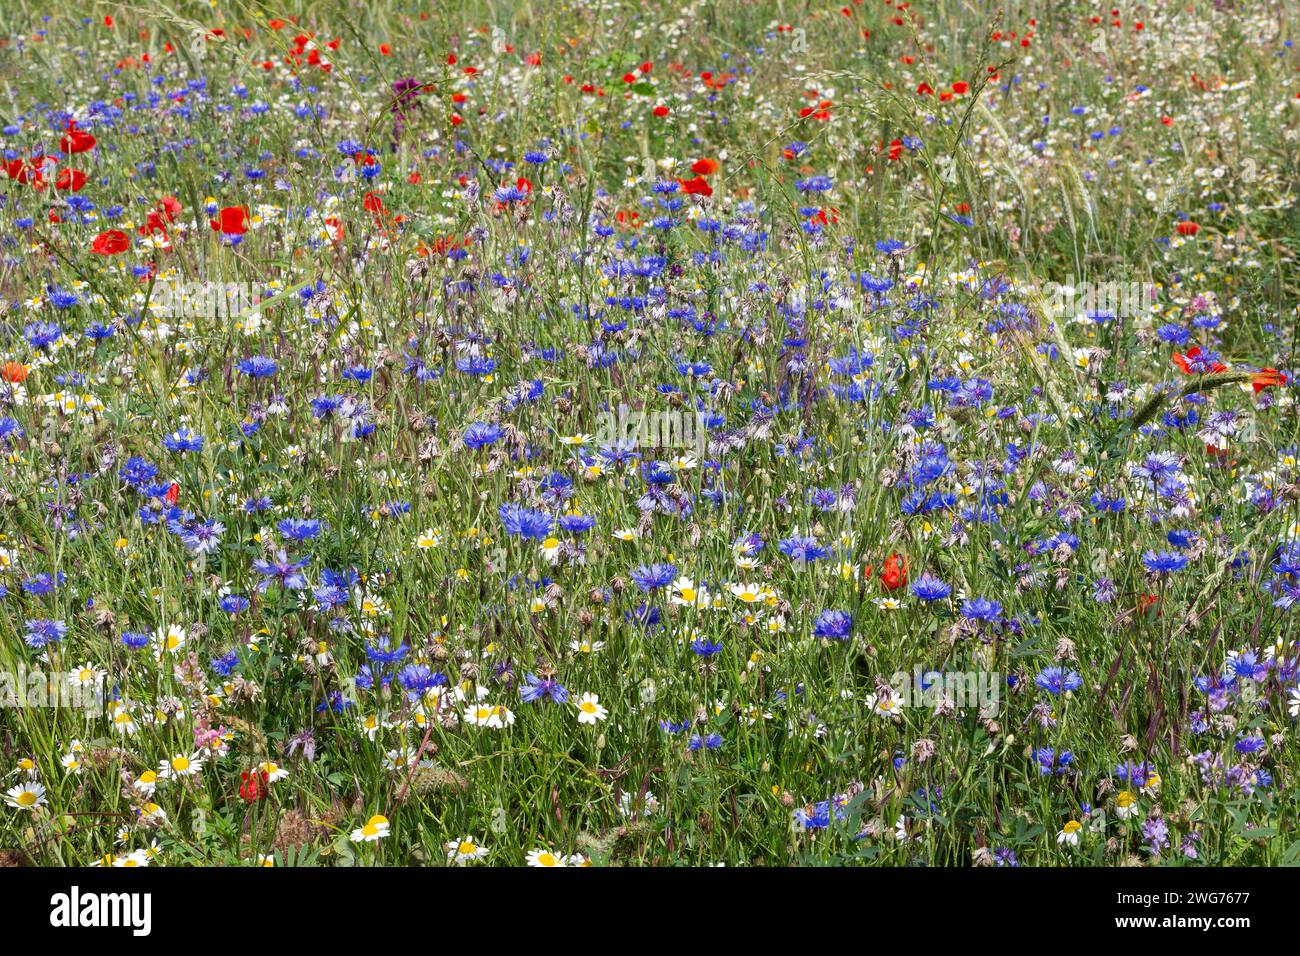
633, 434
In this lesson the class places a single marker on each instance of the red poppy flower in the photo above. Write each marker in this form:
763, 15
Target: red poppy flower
894, 574
76, 140
699, 186
231, 221
660, 111
1267, 378
1187, 228
110, 243
70, 179
25, 172
705, 167
173, 493
254, 786
14, 372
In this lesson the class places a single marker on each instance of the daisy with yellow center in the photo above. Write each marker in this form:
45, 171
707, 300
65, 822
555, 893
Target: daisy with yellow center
25, 796
465, 850
492, 716
747, 593
1069, 834
589, 709
180, 766
685, 593
374, 830
544, 858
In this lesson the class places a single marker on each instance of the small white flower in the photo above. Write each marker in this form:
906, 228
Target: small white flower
589, 709
375, 829
465, 850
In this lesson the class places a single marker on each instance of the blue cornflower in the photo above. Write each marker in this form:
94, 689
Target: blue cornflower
705, 648
652, 577
287, 573
524, 522
833, 624
1164, 562
135, 640
803, 550
543, 688
233, 604
577, 524
981, 609
1058, 680
480, 434
41, 632
418, 678
259, 366
380, 653
183, 440
930, 588
41, 334
137, 471
299, 529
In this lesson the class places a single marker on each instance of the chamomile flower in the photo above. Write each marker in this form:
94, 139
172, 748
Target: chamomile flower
746, 593
492, 716
374, 830
87, 675
428, 538
464, 851
25, 796
542, 857
1126, 804
273, 771
168, 640
884, 705
1069, 835
180, 765
590, 710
